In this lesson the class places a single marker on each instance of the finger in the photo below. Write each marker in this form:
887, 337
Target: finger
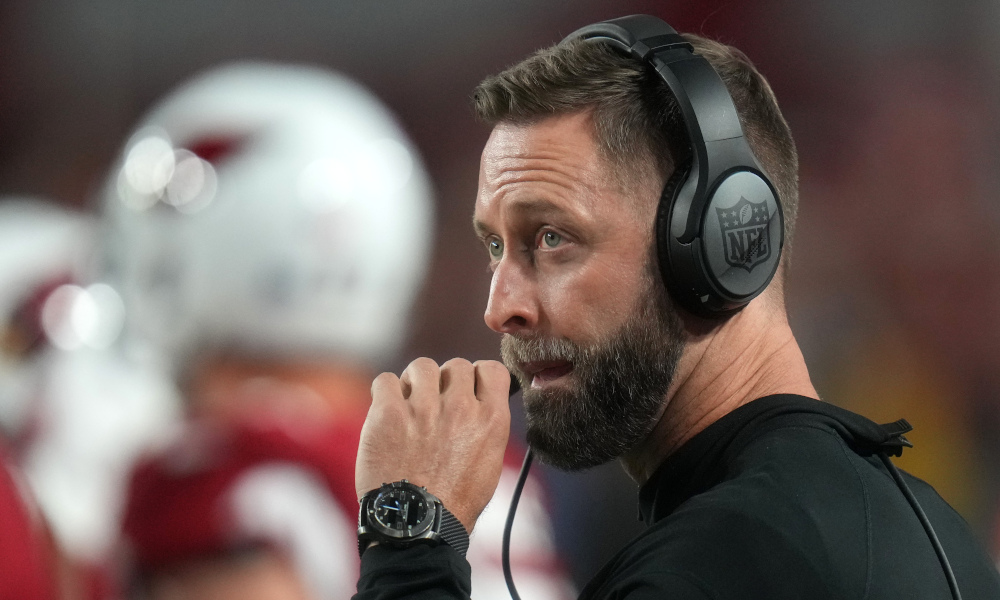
387, 387
492, 381
421, 380
458, 377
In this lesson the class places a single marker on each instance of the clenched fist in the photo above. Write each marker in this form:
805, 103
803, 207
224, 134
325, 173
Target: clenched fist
444, 428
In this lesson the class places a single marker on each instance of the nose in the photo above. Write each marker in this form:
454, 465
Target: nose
513, 305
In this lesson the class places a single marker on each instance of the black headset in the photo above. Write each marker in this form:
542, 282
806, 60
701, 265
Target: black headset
719, 225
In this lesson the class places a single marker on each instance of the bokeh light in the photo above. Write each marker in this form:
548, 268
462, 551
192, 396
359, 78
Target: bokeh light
74, 317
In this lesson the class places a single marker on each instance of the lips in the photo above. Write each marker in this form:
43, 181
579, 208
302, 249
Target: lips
544, 372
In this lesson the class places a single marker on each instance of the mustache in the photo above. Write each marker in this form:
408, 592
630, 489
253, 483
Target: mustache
529, 349
516, 351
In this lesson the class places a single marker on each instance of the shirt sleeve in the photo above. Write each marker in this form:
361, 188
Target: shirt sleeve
419, 572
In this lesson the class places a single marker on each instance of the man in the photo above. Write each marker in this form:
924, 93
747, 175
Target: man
750, 487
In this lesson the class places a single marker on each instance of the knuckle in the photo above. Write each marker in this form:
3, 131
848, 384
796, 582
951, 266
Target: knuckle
457, 376
495, 377
384, 385
492, 368
385, 378
458, 364
424, 366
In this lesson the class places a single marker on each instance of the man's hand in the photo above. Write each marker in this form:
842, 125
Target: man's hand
444, 428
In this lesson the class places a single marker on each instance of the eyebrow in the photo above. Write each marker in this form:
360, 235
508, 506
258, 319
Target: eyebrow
521, 208
482, 231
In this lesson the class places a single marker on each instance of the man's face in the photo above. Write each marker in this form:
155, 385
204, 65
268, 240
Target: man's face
587, 328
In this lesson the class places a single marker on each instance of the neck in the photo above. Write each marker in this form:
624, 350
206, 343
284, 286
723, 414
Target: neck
752, 355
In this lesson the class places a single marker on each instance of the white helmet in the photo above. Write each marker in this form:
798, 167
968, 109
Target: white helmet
275, 209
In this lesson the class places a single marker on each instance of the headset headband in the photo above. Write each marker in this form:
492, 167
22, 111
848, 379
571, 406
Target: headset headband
706, 107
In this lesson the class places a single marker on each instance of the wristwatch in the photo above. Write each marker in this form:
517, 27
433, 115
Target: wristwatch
401, 514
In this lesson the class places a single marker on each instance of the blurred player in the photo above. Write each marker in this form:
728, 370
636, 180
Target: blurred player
74, 413
36, 243
269, 228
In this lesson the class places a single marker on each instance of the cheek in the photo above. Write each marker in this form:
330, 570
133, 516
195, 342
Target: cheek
585, 303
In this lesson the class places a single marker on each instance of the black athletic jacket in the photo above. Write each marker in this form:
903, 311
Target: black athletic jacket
784, 498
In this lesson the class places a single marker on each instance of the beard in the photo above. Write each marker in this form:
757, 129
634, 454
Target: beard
617, 388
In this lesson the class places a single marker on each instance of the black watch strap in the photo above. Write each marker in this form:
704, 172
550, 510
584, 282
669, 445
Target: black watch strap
453, 532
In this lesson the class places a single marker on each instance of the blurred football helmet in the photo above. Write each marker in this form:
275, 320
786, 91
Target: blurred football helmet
275, 209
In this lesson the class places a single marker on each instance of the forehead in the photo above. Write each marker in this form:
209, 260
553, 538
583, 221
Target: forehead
556, 157
566, 137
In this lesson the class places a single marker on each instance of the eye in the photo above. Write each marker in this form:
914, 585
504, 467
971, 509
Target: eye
551, 239
495, 247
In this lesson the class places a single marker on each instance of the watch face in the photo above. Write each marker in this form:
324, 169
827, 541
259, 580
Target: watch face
401, 512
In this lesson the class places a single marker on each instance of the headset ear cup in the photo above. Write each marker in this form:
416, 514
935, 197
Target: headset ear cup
741, 238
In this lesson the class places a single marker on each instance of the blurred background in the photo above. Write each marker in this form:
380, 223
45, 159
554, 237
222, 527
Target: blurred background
895, 281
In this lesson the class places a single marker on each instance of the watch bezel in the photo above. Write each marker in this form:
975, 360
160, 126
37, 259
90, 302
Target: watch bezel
416, 531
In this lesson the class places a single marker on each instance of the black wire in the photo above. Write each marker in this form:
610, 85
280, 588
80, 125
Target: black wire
949, 575
505, 558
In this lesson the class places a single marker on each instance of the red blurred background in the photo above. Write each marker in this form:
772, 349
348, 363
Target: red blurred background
895, 285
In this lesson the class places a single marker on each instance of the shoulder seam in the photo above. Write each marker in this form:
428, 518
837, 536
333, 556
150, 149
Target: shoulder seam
868, 521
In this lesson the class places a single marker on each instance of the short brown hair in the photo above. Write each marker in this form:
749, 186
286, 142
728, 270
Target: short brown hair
637, 124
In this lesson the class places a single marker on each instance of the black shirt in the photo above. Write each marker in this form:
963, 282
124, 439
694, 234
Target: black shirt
784, 497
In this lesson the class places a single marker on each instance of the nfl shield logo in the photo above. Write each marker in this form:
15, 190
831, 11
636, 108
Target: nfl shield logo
745, 233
